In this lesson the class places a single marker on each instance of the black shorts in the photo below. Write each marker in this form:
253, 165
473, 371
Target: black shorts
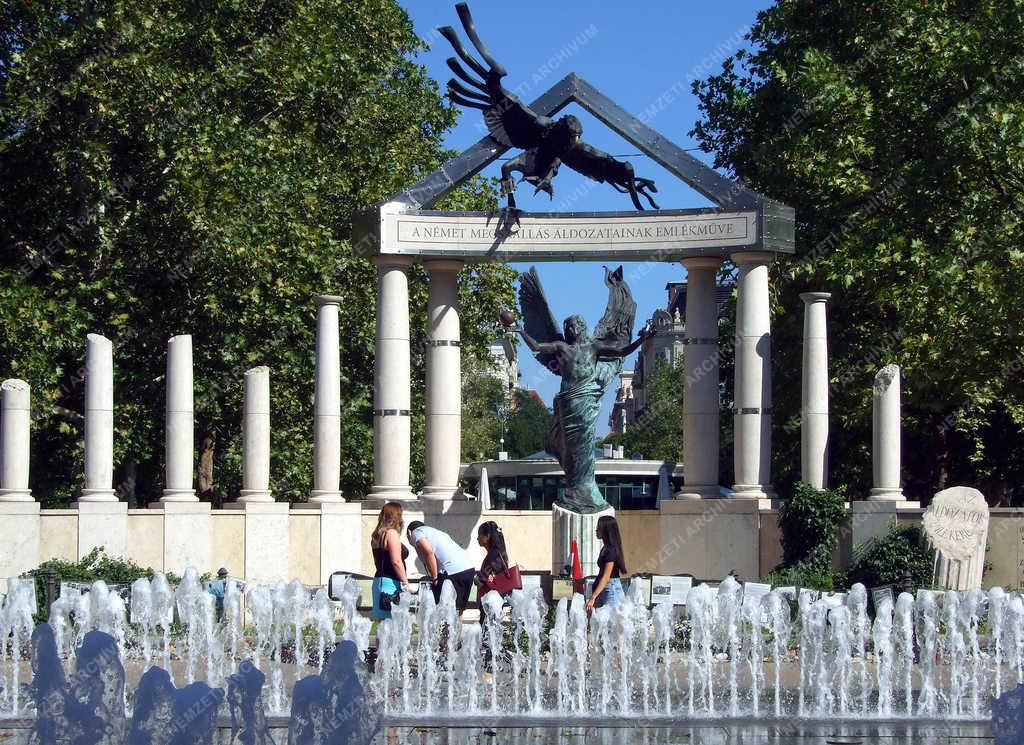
462, 582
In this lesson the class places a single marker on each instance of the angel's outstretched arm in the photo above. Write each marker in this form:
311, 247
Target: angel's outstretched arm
535, 346
613, 350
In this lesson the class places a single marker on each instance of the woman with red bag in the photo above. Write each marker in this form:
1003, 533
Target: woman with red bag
490, 537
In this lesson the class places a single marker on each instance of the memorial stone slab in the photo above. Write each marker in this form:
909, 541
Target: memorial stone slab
956, 522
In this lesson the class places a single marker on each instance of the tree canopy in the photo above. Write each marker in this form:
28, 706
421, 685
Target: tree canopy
178, 168
896, 130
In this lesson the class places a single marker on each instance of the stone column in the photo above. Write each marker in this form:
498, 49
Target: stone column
179, 428
256, 437
99, 420
15, 434
444, 381
391, 382
327, 403
752, 419
700, 365
814, 392
885, 438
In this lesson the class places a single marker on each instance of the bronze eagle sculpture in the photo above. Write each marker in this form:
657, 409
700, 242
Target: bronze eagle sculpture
546, 143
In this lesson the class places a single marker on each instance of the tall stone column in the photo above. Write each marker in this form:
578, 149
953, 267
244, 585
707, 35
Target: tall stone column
391, 382
179, 428
256, 437
15, 434
752, 419
327, 403
814, 392
444, 381
700, 365
99, 420
885, 438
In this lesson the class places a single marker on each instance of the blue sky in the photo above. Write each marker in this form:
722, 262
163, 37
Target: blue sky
642, 55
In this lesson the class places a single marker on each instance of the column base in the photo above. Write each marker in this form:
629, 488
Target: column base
179, 495
442, 492
699, 491
252, 496
98, 495
887, 494
326, 496
381, 494
16, 495
752, 491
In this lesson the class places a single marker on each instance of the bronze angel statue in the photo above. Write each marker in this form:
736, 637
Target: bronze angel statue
587, 365
546, 143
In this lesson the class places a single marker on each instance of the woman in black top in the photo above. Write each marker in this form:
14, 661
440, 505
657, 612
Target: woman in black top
611, 565
389, 555
490, 537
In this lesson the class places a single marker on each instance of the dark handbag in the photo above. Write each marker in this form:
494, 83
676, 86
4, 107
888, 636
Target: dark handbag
389, 599
506, 581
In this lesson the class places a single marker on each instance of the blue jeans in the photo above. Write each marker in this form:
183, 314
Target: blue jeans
611, 595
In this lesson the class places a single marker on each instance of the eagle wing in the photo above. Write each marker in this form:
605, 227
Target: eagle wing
616, 326
509, 120
537, 318
593, 163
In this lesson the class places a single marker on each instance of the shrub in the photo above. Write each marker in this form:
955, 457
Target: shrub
96, 565
804, 575
810, 520
887, 559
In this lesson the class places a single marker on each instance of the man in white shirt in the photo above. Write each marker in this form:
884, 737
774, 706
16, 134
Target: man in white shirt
444, 559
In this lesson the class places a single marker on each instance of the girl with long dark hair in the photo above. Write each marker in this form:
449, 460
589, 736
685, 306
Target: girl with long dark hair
492, 540
611, 565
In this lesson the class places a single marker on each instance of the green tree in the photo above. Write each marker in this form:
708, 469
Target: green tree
896, 130
483, 401
181, 168
528, 425
657, 433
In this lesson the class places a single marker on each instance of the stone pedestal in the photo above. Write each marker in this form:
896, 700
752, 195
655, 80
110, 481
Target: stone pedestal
267, 541
188, 536
707, 539
103, 523
700, 365
873, 518
752, 418
327, 403
256, 437
567, 526
443, 433
341, 537
99, 421
814, 392
21, 526
15, 434
179, 428
885, 439
392, 383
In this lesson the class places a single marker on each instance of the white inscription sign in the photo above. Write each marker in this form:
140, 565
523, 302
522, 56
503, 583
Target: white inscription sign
670, 589
956, 522
665, 234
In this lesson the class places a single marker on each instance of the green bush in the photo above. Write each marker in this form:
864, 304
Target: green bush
96, 565
810, 520
804, 575
886, 560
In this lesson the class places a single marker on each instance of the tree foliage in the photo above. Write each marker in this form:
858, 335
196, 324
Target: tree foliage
179, 168
896, 130
528, 425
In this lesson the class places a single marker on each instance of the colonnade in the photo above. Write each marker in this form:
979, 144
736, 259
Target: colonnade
392, 399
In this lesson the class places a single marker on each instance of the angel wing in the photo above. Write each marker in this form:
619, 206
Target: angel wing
616, 326
510, 121
537, 318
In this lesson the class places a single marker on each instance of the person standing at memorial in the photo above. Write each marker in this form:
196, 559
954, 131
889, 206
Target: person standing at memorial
444, 559
611, 565
492, 540
389, 557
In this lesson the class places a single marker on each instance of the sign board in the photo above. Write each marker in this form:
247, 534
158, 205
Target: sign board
755, 590
835, 599
561, 588
666, 589
880, 595
807, 595
956, 522
530, 582
645, 587
621, 236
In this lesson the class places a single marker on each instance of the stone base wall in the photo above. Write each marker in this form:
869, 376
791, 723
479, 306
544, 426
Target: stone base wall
268, 542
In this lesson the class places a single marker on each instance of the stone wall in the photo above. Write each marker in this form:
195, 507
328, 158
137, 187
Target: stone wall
267, 542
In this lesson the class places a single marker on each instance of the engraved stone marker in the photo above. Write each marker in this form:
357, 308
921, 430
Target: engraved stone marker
956, 523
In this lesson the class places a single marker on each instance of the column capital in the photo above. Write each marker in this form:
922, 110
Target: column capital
443, 265
701, 262
328, 300
742, 258
815, 297
393, 261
